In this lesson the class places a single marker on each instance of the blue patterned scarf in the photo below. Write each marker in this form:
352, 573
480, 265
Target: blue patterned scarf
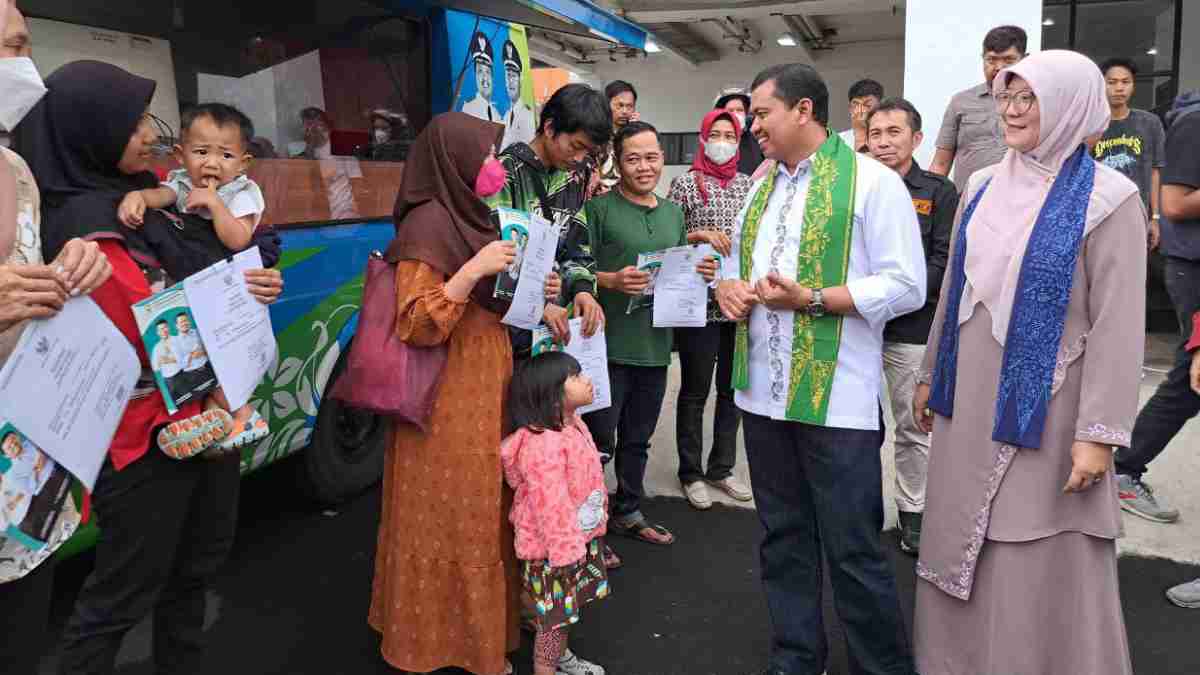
1039, 309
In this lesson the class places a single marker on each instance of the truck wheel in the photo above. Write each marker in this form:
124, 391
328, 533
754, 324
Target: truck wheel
345, 455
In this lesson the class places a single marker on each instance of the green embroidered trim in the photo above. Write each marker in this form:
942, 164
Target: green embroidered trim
823, 262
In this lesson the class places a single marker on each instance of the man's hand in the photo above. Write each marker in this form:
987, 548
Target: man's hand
920, 408
777, 292
736, 298
630, 280
555, 318
1154, 234
593, 315
553, 287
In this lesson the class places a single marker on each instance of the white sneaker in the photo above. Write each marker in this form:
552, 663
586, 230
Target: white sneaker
570, 664
734, 488
697, 495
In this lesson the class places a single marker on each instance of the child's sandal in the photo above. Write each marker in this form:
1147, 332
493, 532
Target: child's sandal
187, 438
253, 430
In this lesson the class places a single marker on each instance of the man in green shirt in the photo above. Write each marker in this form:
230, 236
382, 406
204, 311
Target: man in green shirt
624, 222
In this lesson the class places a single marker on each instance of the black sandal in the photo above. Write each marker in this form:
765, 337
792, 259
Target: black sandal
634, 530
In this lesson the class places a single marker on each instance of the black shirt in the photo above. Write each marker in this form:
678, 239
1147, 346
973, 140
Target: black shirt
750, 155
1181, 239
936, 200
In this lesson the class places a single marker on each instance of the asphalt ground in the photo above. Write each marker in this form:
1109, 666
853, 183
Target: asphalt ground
293, 597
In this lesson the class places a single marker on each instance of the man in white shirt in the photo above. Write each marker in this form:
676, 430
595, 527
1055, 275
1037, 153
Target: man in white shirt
191, 356
827, 252
519, 126
164, 361
481, 106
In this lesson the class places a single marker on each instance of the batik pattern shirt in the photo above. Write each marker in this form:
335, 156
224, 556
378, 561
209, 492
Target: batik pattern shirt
719, 214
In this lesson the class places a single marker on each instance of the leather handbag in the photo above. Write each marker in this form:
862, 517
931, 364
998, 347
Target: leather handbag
383, 374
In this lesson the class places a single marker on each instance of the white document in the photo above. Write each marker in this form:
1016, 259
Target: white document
529, 298
235, 327
681, 294
590, 352
67, 384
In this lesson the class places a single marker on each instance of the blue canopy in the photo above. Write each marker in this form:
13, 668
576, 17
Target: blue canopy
578, 17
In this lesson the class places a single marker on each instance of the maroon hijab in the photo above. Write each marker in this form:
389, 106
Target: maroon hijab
439, 219
703, 166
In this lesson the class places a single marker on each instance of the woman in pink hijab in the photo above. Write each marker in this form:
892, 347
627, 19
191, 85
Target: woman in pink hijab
1030, 380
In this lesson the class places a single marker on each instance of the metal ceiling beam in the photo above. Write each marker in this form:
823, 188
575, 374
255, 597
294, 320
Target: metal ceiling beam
800, 35
555, 55
666, 11
675, 52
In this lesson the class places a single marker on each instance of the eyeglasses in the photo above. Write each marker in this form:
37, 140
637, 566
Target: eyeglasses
1020, 101
166, 136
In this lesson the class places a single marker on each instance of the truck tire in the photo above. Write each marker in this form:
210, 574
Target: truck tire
345, 454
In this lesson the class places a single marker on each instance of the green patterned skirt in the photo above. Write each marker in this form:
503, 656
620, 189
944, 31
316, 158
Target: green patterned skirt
555, 596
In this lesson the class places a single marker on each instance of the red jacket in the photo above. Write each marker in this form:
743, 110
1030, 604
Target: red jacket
116, 297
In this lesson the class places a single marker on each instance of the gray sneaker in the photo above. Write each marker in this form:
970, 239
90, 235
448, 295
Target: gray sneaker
1138, 498
1186, 595
570, 664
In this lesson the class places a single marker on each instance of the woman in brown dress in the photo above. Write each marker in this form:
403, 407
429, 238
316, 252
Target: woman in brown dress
445, 589
1034, 362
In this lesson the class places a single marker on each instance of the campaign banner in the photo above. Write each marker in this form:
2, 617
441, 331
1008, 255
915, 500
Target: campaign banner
484, 65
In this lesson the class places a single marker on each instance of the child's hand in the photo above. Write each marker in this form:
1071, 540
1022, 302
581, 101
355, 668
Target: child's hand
204, 196
132, 210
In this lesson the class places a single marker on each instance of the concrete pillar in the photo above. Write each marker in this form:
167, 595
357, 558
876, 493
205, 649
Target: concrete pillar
943, 41
1189, 49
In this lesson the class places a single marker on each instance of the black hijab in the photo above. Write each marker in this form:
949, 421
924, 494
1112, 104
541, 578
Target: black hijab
73, 140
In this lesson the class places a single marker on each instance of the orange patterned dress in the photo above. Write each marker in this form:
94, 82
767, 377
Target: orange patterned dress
446, 585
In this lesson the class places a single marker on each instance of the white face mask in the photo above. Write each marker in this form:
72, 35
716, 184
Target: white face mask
720, 152
22, 87
382, 136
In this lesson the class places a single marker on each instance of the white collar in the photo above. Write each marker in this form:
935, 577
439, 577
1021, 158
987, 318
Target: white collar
801, 169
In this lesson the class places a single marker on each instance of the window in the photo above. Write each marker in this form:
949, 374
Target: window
345, 83
1146, 31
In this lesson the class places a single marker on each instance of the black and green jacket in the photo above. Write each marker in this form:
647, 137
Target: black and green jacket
565, 192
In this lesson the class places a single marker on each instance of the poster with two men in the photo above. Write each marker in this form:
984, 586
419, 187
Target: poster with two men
489, 61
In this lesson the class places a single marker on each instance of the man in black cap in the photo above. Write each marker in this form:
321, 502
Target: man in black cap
518, 123
481, 106
736, 101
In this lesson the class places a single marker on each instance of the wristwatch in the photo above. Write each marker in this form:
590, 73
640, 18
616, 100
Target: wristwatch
816, 306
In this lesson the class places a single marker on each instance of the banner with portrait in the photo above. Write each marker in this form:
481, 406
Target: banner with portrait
484, 67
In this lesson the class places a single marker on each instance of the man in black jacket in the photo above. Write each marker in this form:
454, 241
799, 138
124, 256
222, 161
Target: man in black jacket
893, 133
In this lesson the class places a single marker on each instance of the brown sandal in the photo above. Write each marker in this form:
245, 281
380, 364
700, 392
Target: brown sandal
636, 529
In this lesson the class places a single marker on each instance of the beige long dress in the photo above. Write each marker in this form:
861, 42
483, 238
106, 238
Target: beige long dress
445, 589
1016, 577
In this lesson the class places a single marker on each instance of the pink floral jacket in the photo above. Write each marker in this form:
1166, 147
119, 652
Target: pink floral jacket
561, 503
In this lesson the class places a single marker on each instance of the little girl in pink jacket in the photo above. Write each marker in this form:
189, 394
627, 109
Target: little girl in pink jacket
560, 508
